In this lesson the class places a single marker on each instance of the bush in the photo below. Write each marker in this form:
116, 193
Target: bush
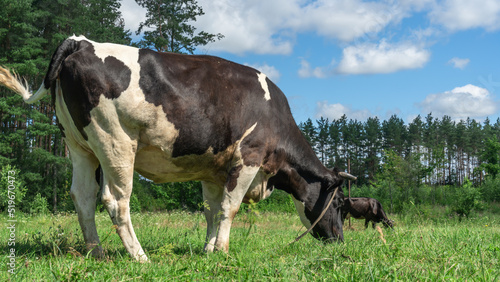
467, 199
39, 205
11, 188
279, 201
491, 190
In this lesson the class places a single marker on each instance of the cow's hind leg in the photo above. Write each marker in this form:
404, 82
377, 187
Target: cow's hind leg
116, 197
212, 197
237, 184
115, 150
83, 191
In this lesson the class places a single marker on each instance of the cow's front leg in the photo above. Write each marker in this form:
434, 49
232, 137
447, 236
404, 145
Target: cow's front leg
236, 187
212, 198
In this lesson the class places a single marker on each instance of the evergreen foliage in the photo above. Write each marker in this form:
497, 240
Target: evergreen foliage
167, 26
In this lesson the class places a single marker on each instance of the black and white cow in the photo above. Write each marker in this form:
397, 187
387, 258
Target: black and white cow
175, 117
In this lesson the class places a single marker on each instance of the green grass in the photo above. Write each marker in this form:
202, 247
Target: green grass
418, 249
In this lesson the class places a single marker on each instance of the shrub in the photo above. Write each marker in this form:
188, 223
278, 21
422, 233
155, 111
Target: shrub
279, 201
39, 205
467, 199
14, 181
490, 190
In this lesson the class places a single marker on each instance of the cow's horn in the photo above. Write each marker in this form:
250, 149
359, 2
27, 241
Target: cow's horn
347, 176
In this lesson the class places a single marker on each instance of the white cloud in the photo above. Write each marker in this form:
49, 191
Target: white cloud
459, 63
270, 71
461, 102
457, 15
248, 26
271, 27
306, 70
382, 58
336, 111
346, 20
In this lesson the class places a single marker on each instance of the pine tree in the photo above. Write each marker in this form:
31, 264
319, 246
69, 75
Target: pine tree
490, 156
395, 134
334, 134
372, 137
172, 32
322, 139
309, 131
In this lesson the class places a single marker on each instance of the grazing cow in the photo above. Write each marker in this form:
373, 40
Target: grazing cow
175, 117
368, 208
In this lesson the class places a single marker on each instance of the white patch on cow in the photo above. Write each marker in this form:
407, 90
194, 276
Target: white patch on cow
127, 54
247, 132
301, 207
262, 79
79, 38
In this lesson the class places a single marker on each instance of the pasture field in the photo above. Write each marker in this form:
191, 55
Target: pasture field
420, 248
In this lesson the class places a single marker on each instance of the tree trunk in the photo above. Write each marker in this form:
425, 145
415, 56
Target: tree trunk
54, 189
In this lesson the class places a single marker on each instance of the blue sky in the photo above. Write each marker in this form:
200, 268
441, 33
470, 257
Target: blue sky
363, 58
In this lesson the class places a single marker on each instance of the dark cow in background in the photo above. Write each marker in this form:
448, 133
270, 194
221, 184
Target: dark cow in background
175, 117
365, 208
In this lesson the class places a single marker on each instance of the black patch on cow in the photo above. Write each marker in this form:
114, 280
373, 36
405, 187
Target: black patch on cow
84, 77
210, 101
232, 179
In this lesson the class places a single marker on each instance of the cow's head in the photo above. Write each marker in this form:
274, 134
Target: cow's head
319, 194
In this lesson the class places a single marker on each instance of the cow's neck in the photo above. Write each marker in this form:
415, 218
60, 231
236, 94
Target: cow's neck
301, 168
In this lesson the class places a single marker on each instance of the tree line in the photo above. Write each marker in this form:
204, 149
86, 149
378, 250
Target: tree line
391, 154
446, 151
430, 160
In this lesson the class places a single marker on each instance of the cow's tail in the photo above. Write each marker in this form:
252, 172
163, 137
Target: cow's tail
20, 86
15, 83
